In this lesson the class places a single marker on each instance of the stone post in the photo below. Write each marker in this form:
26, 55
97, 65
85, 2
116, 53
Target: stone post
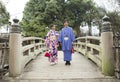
107, 48
15, 53
86, 48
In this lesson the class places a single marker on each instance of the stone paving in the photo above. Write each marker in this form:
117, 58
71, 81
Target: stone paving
80, 67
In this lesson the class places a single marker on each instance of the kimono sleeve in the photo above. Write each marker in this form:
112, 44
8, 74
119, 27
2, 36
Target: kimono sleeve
57, 34
47, 39
60, 37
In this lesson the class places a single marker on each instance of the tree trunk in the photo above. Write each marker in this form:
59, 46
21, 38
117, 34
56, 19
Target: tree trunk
100, 26
90, 29
77, 29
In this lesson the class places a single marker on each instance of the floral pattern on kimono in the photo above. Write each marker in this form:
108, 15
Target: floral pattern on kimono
52, 44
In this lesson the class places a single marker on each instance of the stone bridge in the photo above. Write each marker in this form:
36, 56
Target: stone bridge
93, 59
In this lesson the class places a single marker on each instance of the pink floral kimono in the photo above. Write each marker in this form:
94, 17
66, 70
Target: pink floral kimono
52, 44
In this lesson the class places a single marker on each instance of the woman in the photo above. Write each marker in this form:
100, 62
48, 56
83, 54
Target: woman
52, 44
66, 38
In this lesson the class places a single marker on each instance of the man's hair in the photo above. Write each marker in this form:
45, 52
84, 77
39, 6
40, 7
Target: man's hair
66, 21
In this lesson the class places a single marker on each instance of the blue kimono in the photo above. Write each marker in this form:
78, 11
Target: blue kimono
66, 37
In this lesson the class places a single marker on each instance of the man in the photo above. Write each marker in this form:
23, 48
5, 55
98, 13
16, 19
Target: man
66, 38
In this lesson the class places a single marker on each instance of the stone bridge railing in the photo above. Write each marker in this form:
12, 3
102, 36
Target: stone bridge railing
31, 47
90, 47
101, 50
98, 49
22, 50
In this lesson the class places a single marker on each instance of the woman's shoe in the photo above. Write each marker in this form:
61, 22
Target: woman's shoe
56, 62
52, 63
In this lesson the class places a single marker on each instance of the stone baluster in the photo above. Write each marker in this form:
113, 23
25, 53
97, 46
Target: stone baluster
107, 48
15, 53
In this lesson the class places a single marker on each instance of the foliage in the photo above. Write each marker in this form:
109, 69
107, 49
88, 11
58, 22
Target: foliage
115, 22
98, 18
4, 15
39, 14
32, 22
114, 19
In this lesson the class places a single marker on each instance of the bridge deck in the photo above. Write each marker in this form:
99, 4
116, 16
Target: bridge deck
40, 68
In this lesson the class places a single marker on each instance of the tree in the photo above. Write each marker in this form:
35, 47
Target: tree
91, 14
76, 12
115, 22
32, 22
56, 13
77, 9
114, 19
100, 12
52, 13
39, 14
4, 15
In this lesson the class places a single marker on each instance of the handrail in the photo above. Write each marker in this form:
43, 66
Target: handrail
31, 50
31, 38
89, 46
22, 50
89, 37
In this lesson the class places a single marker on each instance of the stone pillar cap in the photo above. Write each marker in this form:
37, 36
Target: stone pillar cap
15, 26
106, 25
106, 18
15, 20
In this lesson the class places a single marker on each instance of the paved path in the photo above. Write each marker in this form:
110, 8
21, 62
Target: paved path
40, 68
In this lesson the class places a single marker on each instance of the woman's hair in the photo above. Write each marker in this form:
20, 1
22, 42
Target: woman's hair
51, 26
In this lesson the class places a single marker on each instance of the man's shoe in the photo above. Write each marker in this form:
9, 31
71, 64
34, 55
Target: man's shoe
66, 63
69, 63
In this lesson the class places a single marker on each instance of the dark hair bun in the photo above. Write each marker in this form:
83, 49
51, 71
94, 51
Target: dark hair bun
51, 25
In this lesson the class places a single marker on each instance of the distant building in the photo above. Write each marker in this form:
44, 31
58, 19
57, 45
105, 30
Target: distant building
4, 31
84, 30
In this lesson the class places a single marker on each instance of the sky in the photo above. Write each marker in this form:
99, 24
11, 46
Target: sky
109, 5
16, 7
